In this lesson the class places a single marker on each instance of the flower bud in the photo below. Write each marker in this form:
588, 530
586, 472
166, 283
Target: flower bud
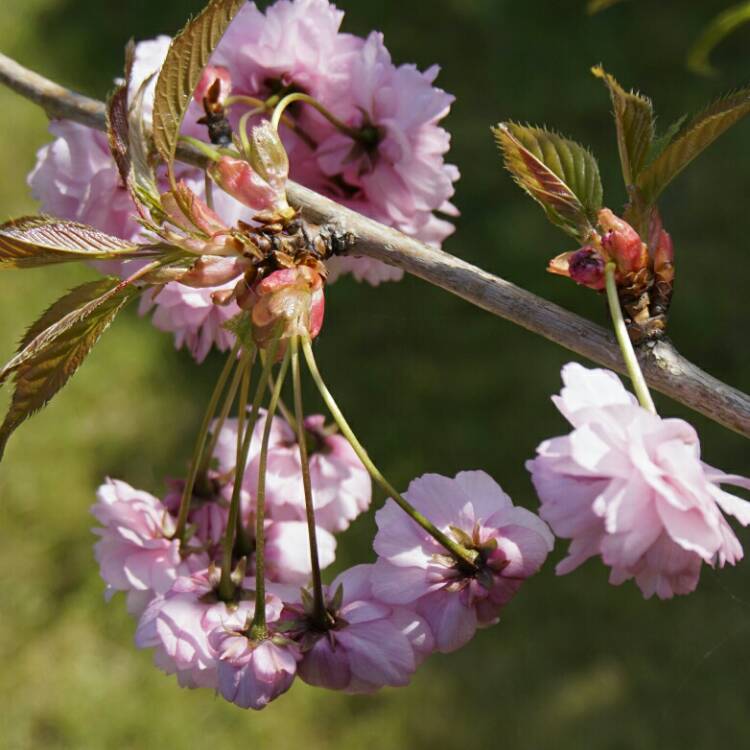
586, 267
242, 182
214, 86
212, 271
286, 303
268, 156
622, 243
664, 258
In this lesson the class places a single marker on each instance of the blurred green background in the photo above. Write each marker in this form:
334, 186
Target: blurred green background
430, 383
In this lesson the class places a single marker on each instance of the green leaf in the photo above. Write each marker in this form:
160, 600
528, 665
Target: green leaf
559, 174
188, 55
662, 141
634, 118
55, 358
41, 240
242, 327
691, 141
718, 30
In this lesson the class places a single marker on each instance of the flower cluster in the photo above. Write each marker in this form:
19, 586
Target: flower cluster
384, 157
377, 623
630, 487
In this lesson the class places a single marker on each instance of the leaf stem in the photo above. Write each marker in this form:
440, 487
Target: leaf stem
226, 585
319, 610
200, 444
457, 550
626, 345
259, 619
353, 133
224, 413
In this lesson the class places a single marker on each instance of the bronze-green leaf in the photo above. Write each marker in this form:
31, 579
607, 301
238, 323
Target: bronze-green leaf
634, 118
42, 374
59, 317
41, 240
559, 174
691, 141
187, 57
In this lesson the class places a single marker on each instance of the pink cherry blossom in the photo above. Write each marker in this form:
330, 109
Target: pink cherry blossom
179, 625
366, 647
135, 551
288, 551
630, 486
253, 673
191, 314
340, 483
401, 174
510, 544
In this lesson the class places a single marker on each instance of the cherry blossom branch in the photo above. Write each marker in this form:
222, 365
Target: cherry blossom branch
664, 368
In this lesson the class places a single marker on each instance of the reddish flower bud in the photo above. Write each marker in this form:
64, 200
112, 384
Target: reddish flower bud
213, 271
586, 267
239, 179
664, 258
207, 85
286, 303
622, 243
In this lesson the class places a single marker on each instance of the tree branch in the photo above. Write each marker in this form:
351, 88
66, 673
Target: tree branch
665, 368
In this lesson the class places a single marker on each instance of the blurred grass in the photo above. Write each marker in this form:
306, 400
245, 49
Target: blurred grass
430, 383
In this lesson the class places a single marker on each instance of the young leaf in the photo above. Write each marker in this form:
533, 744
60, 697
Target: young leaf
41, 240
634, 118
188, 55
662, 141
242, 327
130, 140
692, 140
558, 173
719, 29
50, 367
595, 6
59, 317
117, 119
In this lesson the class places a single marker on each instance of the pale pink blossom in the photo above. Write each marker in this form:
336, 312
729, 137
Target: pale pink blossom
401, 171
75, 178
252, 673
630, 486
366, 647
509, 544
341, 485
179, 625
192, 316
135, 551
295, 45
288, 551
